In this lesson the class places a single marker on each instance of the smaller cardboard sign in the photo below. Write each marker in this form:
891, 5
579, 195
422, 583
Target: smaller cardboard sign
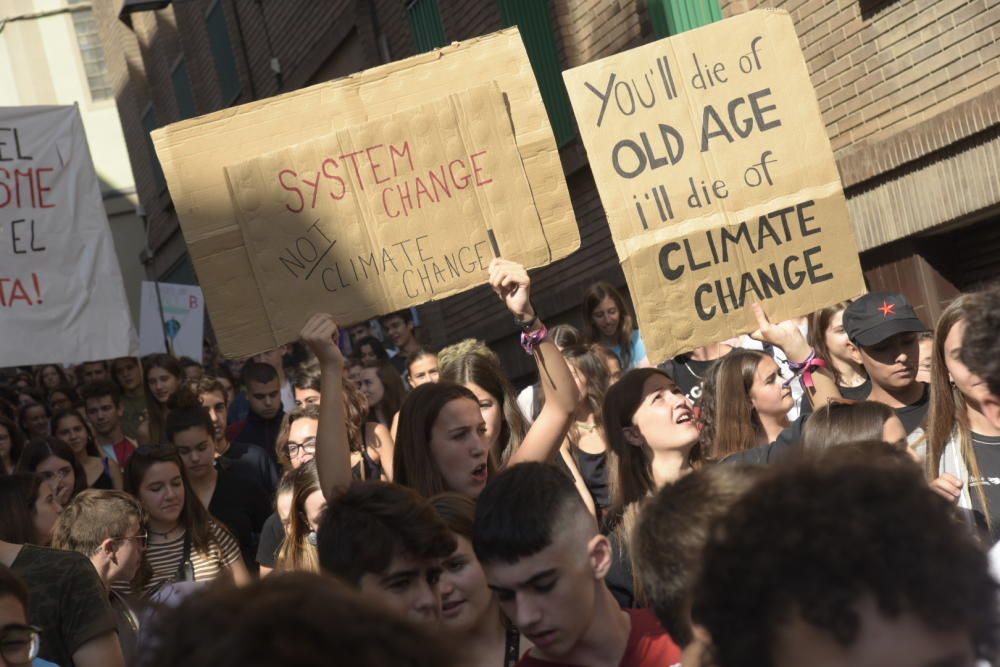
387, 214
718, 179
171, 320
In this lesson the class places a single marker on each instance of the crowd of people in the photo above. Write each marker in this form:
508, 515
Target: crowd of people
820, 492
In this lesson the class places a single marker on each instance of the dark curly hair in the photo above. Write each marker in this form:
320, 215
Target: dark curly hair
815, 538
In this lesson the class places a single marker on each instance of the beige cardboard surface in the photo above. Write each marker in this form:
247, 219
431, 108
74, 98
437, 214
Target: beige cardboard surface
718, 179
193, 154
387, 214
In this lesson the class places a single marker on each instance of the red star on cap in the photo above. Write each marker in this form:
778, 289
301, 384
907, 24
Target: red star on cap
888, 309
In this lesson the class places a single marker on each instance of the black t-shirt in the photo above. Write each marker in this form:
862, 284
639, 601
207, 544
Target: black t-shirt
859, 393
271, 537
242, 506
913, 415
688, 374
66, 599
987, 450
253, 463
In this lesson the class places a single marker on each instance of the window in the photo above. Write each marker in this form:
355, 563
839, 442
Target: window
92, 53
222, 53
534, 20
149, 124
183, 91
425, 19
670, 17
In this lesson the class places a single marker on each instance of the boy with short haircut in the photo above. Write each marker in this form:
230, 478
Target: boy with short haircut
239, 502
386, 541
263, 424
670, 538
94, 371
248, 460
886, 331
399, 330
276, 359
845, 558
546, 561
103, 403
108, 527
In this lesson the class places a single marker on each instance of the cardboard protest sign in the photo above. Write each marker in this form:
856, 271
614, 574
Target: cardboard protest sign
194, 154
719, 183
61, 294
396, 211
171, 319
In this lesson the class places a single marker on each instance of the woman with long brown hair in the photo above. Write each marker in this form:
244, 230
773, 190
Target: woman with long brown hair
163, 377
383, 389
442, 441
75, 431
652, 441
608, 321
185, 542
745, 404
506, 426
298, 551
961, 441
828, 338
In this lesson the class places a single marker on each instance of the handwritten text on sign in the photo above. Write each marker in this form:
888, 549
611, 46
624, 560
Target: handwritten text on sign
61, 294
23, 189
718, 179
387, 214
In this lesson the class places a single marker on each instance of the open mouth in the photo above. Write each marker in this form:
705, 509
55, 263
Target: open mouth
684, 416
480, 472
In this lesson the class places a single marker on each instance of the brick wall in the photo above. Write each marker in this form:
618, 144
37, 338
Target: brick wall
903, 62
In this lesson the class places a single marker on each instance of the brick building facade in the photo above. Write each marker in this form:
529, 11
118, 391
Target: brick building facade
908, 89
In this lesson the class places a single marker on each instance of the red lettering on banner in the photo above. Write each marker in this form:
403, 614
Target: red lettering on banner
13, 291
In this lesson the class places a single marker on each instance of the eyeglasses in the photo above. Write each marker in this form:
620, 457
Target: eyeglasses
297, 449
19, 643
140, 538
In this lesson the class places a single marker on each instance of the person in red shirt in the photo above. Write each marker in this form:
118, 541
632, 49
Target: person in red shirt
546, 561
103, 402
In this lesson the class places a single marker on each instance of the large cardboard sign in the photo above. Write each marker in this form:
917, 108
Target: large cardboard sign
194, 155
396, 211
61, 294
718, 179
172, 320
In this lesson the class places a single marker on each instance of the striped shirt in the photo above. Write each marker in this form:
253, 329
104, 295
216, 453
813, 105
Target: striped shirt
164, 558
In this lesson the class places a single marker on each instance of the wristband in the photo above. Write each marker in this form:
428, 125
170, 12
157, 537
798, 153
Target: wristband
801, 365
806, 368
531, 340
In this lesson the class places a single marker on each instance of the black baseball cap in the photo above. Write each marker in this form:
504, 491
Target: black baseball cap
877, 316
